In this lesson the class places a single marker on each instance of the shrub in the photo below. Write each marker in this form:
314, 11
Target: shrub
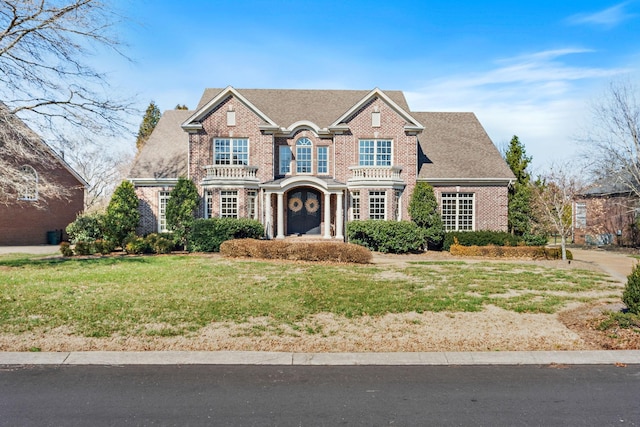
208, 234
65, 249
423, 210
387, 236
86, 227
296, 251
122, 216
494, 251
481, 238
84, 248
181, 207
160, 243
631, 294
104, 247
137, 245
536, 239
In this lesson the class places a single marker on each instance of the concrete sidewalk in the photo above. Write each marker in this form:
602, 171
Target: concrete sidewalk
36, 250
607, 357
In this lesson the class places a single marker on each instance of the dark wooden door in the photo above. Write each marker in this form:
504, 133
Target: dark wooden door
303, 212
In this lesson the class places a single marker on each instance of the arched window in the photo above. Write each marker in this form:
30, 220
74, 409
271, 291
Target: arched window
29, 190
304, 150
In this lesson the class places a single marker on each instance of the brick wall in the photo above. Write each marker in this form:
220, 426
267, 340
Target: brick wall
27, 222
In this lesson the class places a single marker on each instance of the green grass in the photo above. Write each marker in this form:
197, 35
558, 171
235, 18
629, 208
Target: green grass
177, 295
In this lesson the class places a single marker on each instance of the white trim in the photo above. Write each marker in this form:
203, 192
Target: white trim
412, 124
467, 181
153, 182
192, 125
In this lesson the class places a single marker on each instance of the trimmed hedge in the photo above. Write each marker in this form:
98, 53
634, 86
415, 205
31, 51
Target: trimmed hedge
494, 251
481, 238
296, 251
387, 236
208, 234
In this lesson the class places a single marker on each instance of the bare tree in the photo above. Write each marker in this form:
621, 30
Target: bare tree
46, 78
612, 141
103, 171
553, 197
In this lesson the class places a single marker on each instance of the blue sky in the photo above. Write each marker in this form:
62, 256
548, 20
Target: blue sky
530, 69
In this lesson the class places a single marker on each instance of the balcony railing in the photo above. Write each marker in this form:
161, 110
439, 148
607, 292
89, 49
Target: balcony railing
375, 173
233, 172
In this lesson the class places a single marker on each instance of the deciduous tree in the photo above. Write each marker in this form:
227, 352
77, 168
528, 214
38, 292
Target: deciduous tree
48, 81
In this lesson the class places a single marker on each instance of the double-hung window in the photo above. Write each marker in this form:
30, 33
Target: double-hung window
458, 211
285, 159
355, 205
374, 152
228, 204
252, 197
377, 205
231, 151
163, 198
304, 148
323, 160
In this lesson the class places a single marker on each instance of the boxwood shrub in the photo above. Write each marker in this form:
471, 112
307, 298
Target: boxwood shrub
208, 234
387, 236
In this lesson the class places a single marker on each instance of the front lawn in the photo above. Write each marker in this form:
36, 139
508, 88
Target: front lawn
179, 294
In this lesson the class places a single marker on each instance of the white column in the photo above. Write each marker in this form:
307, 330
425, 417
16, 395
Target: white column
327, 215
280, 216
267, 215
339, 216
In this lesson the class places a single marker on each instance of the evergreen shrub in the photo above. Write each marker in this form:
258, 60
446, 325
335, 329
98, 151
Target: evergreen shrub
86, 228
208, 234
481, 238
631, 294
387, 236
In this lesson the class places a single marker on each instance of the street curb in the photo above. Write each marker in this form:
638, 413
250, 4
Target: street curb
598, 357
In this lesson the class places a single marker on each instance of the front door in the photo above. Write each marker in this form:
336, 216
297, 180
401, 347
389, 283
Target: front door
303, 212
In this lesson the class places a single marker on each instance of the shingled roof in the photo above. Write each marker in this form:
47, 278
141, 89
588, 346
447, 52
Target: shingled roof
164, 155
455, 146
288, 106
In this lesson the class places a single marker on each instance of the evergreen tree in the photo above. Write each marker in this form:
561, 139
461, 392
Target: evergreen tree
149, 122
181, 107
519, 217
181, 208
423, 209
122, 216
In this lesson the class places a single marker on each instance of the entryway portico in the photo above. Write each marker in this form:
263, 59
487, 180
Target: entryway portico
304, 205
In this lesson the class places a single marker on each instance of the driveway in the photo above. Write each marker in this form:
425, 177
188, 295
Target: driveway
38, 250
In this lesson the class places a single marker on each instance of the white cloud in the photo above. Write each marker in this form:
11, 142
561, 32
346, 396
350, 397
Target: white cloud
607, 18
535, 96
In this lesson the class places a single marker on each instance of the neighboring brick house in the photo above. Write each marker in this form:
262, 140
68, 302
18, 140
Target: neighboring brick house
606, 213
28, 216
305, 162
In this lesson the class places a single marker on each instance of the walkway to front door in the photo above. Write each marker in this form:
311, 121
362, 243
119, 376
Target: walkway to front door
304, 212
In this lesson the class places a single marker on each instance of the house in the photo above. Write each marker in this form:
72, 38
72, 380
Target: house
50, 193
606, 213
305, 162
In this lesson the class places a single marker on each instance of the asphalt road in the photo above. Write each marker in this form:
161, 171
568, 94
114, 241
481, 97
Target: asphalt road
320, 395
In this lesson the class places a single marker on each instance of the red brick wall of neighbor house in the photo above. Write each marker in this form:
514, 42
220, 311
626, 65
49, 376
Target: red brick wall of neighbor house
405, 147
23, 223
488, 201
607, 215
